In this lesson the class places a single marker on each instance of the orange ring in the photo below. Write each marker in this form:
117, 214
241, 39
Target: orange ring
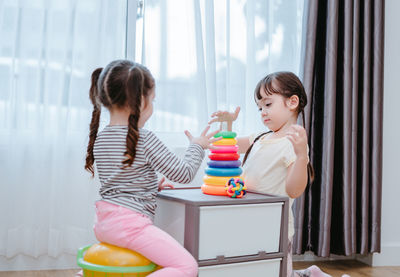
212, 190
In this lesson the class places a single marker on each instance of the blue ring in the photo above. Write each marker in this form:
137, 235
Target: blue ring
224, 164
223, 172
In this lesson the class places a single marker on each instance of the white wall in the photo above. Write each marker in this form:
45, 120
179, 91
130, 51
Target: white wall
390, 251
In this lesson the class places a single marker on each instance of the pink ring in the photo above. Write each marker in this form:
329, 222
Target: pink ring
225, 149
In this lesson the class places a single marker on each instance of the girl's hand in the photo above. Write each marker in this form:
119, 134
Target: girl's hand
204, 140
221, 116
298, 136
162, 185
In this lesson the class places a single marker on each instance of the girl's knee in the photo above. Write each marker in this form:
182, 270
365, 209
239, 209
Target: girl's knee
188, 266
191, 268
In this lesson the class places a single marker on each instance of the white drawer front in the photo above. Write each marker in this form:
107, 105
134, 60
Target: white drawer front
264, 268
238, 230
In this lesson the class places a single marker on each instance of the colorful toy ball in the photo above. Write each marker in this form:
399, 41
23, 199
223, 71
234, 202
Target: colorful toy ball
235, 188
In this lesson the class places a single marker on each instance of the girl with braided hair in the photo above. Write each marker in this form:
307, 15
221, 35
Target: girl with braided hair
127, 158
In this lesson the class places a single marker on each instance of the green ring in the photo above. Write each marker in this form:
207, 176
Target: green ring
225, 134
114, 269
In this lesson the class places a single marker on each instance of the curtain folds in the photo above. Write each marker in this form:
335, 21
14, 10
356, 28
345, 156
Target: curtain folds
211, 54
342, 72
48, 50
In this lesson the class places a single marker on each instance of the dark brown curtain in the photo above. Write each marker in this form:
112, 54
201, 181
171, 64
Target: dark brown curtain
340, 213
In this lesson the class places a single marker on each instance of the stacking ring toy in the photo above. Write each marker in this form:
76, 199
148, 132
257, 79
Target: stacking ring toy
224, 157
213, 190
225, 149
235, 188
228, 172
225, 134
224, 164
225, 141
217, 181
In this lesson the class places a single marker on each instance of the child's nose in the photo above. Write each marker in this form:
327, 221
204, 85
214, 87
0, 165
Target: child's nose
264, 112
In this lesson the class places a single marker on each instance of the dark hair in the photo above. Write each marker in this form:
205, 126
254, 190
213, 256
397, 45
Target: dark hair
286, 84
121, 83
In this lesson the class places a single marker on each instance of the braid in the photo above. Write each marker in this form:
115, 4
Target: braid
310, 169
94, 126
251, 146
303, 117
94, 123
135, 88
131, 140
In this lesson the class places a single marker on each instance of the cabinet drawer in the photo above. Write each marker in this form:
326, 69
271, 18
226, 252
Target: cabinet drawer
239, 230
262, 268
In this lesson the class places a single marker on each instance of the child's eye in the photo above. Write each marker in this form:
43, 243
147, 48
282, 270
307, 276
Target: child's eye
259, 109
268, 104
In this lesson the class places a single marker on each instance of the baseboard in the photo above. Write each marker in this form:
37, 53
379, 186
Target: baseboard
22, 263
389, 255
310, 257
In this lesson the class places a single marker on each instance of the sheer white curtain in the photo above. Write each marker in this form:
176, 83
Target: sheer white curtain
48, 50
209, 55
205, 55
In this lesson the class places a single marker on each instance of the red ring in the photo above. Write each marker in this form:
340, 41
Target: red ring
224, 157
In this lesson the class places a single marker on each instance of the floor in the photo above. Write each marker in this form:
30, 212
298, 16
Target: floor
334, 268
351, 267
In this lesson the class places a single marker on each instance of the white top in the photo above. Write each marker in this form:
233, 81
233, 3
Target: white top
266, 167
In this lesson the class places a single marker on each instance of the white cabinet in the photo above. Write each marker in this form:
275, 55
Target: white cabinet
228, 236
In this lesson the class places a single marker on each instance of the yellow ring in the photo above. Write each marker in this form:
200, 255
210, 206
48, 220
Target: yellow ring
227, 141
217, 181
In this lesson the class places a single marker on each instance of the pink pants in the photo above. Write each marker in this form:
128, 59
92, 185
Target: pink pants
129, 229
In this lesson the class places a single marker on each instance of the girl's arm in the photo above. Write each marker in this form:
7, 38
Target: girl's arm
161, 159
243, 143
296, 179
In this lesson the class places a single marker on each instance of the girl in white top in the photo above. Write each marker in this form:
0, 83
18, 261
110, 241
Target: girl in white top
276, 162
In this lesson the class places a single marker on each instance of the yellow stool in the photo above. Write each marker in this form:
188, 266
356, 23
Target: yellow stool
105, 260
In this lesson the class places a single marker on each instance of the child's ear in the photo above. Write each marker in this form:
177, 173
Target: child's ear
143, 103
293, 102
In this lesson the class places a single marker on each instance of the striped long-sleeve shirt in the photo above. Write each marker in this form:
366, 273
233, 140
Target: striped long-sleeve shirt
135, 187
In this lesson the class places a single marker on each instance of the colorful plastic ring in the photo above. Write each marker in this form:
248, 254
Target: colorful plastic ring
224, 164
206, 189
226, 141
224, 157
225, 134
217, 181
223, 171
225, 149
